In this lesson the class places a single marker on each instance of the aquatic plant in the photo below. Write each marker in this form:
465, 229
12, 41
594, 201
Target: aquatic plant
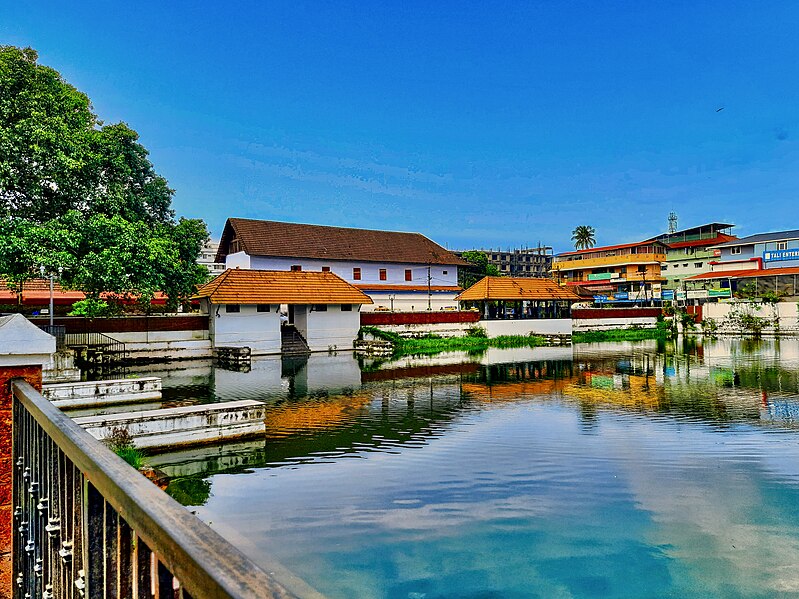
121, 443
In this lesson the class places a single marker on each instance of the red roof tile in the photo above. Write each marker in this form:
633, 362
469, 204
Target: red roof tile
721, 238
508, 288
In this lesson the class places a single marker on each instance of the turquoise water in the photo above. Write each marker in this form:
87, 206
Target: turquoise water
602, 470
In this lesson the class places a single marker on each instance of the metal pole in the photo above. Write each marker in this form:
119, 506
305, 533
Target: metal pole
429, 295
51, 303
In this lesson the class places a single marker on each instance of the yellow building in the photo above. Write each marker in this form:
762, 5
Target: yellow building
627, 273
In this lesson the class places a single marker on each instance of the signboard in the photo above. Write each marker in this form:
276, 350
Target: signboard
780, 255
621, 295
719, 293
667, 294
603, 276
680, 295
717, 253
697, 294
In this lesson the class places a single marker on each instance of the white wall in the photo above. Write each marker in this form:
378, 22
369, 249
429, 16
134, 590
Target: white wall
332, 329
410, 301
544, 326
238, 260
260, 331
606, 324
395, 272
787, 312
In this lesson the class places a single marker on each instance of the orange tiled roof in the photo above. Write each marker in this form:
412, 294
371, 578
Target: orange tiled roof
293, 240
237, 286
607, 248
508, 288
720, 238
750, 272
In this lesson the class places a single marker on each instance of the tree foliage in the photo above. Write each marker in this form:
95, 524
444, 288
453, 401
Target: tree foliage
82, 196
479, 268
583, 237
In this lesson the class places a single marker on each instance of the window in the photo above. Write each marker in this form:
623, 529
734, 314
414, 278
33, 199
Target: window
346, 307
782, 245
685, 265
356, 274
698, 264
735, 250
296, 267
383, 275
664, 267
443, 272
325, 269
319, 308
232, 308
409, 275
642, 268
262, 308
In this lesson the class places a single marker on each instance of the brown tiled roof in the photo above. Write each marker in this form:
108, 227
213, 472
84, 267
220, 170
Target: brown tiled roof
236, 286
292, 240
508, 288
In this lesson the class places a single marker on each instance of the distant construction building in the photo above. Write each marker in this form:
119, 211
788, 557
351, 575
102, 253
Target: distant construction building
521, 262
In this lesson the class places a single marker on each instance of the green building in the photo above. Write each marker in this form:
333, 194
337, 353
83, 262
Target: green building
690, 251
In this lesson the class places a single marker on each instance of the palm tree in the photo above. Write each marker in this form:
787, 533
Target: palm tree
583, 237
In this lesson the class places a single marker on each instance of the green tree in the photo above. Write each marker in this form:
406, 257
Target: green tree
583, 237
82, 196
478, 268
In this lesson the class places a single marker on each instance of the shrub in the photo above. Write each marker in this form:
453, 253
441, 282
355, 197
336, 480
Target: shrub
477, 331
90, 308
121, 443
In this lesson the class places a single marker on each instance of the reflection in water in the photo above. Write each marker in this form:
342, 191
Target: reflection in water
615, 469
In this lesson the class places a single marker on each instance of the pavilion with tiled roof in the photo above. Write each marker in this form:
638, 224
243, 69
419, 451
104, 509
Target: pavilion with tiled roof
496, 297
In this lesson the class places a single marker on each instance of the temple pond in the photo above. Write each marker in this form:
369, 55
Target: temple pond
637, 469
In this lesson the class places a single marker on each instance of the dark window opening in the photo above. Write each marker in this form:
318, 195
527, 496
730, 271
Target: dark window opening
319, 308
356, 274
263, 308
346, 307
232, 308
383, 274
409, 275
296, 267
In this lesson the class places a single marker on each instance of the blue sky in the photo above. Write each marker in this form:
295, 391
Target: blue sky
478, 124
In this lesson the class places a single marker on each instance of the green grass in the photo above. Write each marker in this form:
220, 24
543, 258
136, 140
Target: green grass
631, 334
433, 344
131, 455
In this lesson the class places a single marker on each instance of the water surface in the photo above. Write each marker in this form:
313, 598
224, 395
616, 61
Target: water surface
603, 470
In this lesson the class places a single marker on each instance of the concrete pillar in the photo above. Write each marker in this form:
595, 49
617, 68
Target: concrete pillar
24, 348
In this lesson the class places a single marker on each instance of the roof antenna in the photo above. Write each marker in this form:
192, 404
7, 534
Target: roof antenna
672, 222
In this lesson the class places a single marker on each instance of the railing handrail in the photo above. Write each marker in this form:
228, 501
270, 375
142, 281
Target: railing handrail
208, 565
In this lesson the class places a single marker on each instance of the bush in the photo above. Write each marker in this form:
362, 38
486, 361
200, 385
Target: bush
121, 443
477, 331
91, 308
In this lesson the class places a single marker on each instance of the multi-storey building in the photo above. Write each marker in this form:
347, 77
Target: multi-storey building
627, 273
770, 261
690, 251
398, 271
207, 258
520, 262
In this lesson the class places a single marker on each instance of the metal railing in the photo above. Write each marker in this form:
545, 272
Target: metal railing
58, 331
86, 524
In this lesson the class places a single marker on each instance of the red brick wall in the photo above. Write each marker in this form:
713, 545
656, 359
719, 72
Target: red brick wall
378, 318
32, 374
589, 313
128, 324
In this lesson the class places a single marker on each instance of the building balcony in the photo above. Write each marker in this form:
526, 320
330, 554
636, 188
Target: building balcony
608, 261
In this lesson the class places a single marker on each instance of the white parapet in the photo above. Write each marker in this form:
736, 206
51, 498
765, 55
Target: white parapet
532, 326
187, 425
102, 393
